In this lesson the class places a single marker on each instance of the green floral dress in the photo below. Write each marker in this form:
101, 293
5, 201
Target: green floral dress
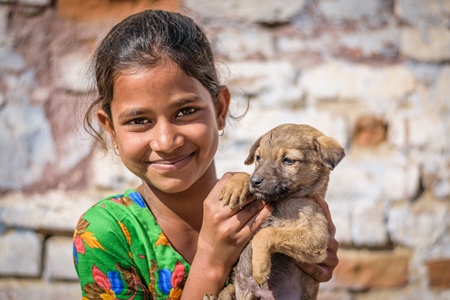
120, 252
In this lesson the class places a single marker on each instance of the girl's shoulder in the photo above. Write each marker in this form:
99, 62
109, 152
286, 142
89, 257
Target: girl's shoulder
129, 202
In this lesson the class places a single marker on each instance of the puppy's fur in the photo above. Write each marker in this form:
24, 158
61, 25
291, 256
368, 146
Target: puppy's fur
293, 162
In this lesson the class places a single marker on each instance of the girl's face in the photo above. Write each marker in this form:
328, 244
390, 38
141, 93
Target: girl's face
165, 125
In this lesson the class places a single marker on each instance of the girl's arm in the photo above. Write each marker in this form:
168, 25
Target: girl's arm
222, 238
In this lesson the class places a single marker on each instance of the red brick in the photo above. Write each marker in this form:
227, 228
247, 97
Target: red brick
363, 269
439, 273
369, 131
99, 10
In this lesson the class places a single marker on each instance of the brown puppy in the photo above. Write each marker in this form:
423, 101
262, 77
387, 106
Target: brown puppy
293, 162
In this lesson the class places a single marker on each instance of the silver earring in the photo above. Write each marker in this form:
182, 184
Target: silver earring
221, 132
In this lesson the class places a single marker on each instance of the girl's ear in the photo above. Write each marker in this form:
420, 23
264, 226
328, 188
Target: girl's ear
106, 122
222, 106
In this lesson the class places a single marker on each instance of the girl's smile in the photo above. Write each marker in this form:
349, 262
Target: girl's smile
171, 164
165, 125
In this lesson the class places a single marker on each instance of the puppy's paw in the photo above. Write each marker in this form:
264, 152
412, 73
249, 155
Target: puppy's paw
209, 297
228, 293
235, 191
247, 295
261, 273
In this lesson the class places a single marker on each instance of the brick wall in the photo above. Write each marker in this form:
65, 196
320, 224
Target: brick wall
373, 74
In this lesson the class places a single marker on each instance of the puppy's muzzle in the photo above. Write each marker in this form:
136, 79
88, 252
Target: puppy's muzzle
256, 181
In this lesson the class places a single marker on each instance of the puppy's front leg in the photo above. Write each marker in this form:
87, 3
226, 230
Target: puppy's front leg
294, 242
235, 191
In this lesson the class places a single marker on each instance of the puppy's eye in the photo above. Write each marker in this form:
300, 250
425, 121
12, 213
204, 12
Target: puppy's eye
257, 158
287, 161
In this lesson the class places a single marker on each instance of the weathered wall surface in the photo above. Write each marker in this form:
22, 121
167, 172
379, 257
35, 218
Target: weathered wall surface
374, 74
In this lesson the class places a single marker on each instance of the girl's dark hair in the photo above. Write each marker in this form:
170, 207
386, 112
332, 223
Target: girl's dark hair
140, 42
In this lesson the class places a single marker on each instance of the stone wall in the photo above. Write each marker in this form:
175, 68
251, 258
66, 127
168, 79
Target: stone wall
374, 74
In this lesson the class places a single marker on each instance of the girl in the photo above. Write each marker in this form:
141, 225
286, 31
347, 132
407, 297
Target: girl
162, 105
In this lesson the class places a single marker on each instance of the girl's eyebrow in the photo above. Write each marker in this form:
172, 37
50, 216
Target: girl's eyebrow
133, 112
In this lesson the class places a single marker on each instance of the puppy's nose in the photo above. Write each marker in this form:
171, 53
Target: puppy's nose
256, 181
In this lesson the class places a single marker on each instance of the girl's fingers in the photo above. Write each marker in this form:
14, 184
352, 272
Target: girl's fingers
326, 212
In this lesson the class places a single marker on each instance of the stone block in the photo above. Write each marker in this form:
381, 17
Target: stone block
368, 224
364, 269
58, 261
440, 99
72, 74
360, 84
38, 289
430, 45
26, 141
20, 253
245, 43
35, 2
428, 131
438, 273
420, 224
10, 61
247, 11
381, 43
270, 84
54, 211
340, 10
421, 13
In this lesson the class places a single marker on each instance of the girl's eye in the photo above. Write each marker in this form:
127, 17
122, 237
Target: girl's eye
139, 121
287, 161
186, 111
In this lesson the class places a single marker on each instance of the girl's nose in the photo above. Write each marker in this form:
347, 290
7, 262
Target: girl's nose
165, 137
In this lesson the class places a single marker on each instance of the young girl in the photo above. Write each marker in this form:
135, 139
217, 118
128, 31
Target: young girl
162, 105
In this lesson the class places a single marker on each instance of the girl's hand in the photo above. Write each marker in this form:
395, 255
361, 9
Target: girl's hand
324, 271
223, 236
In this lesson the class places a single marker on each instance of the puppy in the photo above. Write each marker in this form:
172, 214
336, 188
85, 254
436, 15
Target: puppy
292, 163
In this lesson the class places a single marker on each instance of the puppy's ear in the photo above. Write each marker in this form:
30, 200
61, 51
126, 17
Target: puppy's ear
251, 156
331, 153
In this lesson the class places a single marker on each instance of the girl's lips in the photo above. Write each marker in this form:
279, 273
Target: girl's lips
172, 164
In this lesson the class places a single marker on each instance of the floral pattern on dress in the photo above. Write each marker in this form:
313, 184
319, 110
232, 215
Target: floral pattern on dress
170, 283
82, 237
107, 286
125, 254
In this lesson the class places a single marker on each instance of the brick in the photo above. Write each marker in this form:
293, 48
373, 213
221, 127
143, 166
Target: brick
105, 10
249, 10
419, 224
358, 82
364, 269
439, 100
20, 253
245, 43
35, 2
369, 131
55, 210
270, 83
71, 72
438, 273
38, 289
430, 45
339, 10
58, 261
421, 13
10, 61
368, 224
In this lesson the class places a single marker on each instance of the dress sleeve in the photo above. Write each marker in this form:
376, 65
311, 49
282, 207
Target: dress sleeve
103, 258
